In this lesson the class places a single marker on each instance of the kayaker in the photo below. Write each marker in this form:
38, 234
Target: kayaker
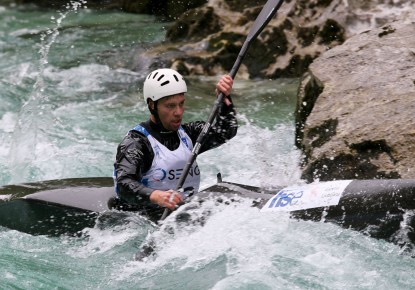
151, 157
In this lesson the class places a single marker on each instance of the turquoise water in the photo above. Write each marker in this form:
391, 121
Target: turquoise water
68, 95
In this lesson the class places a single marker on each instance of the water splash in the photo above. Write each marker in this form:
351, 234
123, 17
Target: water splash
30, 141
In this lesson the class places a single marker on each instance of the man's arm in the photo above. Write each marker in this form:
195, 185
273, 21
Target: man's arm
134, 156
225, 126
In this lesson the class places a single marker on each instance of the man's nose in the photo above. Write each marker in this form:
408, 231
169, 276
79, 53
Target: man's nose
179, 111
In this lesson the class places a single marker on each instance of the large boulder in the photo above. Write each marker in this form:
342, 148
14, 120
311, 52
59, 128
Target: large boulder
356, 110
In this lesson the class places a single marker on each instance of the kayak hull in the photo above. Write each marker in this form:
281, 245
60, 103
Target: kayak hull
383, 209
56, 207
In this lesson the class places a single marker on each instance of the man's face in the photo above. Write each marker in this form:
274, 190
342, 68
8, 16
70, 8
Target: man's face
170, 110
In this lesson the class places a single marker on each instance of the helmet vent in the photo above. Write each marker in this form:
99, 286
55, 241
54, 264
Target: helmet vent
176, 78
162, 76
165, 83
155, 75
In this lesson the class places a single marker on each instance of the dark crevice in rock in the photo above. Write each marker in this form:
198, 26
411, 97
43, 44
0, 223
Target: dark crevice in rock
306, 35
372, 149
278, 39
357, 165
320, 3
296, 67
310, 89
324, 132
331, 31
237, 5
345, 166
387, 30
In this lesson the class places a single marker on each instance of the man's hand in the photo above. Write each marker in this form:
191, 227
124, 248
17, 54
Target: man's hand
225, 86
162, 198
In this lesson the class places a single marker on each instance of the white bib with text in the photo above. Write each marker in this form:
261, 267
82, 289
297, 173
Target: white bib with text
167, 166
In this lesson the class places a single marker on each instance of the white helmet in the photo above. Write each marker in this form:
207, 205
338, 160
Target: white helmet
162, 83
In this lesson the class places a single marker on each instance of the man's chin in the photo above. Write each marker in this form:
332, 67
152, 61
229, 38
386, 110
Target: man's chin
175, 126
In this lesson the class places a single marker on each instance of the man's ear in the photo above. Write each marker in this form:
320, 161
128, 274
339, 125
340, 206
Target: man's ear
151, 105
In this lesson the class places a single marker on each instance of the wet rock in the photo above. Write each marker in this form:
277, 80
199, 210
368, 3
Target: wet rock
213, 35
355, 116
210, 37
193, 27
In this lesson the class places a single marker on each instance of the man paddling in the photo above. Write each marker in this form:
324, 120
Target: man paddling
151, 157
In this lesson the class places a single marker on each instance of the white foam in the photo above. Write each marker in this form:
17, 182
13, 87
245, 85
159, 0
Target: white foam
5, 196
24, 31
88, 78
9, 275
85, 78
255, 156
256, 247
8, 122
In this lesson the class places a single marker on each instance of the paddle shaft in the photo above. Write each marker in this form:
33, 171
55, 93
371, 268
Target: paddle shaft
267, 12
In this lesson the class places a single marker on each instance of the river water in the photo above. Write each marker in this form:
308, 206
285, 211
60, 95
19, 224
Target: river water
68, 97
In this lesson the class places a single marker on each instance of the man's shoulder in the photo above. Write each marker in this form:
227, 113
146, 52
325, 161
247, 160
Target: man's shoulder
139, 131
134, 138
136, 134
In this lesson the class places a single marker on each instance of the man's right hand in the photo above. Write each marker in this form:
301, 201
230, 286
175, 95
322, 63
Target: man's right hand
162, 198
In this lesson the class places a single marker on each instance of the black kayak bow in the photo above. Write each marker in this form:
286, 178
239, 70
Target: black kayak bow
267, 12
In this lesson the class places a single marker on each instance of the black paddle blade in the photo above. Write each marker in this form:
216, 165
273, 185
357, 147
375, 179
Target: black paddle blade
267, 12
264, 17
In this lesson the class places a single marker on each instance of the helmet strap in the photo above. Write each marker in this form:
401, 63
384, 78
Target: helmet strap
154, 111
